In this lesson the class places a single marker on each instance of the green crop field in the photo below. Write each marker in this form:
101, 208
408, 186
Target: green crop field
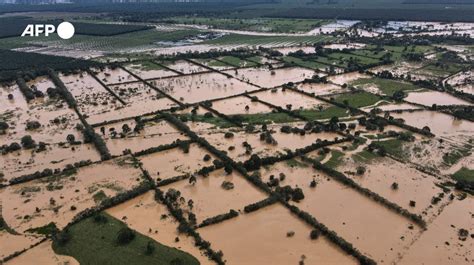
94, 242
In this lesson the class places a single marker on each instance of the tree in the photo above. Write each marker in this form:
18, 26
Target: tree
314, 234
3, 126
71, 138
125, 236
126, 129
28, 142
150, 248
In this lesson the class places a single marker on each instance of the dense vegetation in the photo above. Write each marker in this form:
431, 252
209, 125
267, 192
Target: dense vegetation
106, 240
34, 64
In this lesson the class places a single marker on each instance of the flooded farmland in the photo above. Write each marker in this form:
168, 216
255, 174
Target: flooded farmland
187, 137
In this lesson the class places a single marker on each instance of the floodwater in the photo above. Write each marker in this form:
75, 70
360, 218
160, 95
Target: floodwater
383, 172
196, 88
392, 107
322, 89
38, 202
440, 124
42, 254
186, 67
25, 162
272, 78
261, 148
237, 105
145, 215
261, 238
144, 73
434, 97
13, 243
440, 244
174, 162
114, 76
211, 199
356, 218
154, 134
282, 98
346, 78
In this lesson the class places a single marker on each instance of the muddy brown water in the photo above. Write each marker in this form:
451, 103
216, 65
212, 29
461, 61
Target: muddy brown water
434, 97
31, 205
237, 105
200, 87
272, 78
282, 98
378, 232
145, 215
210, 199
261, 238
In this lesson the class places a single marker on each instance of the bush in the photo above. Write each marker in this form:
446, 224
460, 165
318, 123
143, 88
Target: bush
32, 125
314, 234
3, 126
27, 142
125, 236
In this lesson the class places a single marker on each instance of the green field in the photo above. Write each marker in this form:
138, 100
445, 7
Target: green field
464, 174
264, 118
93, 242
358, 100
304, 63
387, 86
123, 42
347, 57
314, 114
335, 160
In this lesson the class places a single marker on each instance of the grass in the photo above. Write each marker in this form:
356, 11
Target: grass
346, 57
335, 160
264, 118
314, 114
96, 243
442, 71
387, 86
364, 156
358, 100
124, 42
307, 64
217, 121
295, 163
464, 174
44, 230
393, 147
457, 154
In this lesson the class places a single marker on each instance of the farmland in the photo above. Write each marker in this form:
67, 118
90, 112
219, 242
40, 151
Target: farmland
196, 139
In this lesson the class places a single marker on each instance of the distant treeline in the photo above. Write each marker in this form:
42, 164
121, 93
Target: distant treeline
33, 64
14, 26
414, 14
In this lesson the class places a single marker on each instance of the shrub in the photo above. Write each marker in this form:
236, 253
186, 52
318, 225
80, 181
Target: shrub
314, 234
125, 236
28, 142
32, 125
150, 248
3, 126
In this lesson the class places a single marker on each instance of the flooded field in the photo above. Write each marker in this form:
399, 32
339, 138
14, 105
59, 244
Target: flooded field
238, 105
271, 78
298, 141
60, 198
434, 97
272, 224
196, 88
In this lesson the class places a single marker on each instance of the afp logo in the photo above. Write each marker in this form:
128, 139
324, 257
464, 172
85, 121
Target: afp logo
65, 30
